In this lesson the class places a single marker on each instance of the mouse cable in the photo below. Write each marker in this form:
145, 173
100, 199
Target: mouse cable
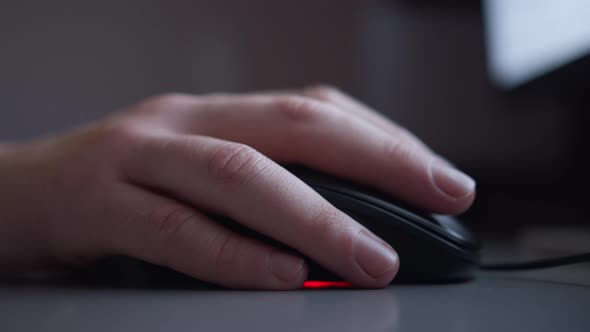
537, 264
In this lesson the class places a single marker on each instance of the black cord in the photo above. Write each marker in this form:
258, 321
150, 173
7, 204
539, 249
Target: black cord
537, 264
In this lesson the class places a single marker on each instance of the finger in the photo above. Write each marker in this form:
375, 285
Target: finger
168, 233
335, 97
295, 129
236, 181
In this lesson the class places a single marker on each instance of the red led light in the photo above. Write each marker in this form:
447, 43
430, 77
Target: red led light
315, 284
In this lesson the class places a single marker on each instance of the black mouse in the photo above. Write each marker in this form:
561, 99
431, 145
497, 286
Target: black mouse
432, 248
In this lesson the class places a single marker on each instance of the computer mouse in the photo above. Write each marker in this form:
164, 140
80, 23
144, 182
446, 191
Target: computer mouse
432, 248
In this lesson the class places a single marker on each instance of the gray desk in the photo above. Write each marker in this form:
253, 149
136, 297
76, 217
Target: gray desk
493, 302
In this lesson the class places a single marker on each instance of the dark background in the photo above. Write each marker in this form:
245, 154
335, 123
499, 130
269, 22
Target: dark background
422, 63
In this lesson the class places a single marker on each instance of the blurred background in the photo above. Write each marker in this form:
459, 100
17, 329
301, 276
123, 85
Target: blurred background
498, 86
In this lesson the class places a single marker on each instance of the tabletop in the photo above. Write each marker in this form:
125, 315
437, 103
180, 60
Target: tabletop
536, 301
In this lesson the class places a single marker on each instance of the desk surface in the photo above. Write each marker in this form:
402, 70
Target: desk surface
492, 302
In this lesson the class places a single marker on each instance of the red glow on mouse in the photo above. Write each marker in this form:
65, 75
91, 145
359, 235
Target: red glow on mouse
316, 284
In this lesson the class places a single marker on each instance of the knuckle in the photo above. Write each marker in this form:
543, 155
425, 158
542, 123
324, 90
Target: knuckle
405, 134
168, 220
330, 222
403, 131
160, 225
119, 133
398, 149
114, 139
411, 143
168, 99
327, 220
164, 102
236, 163
300, 108
225, 249
137, 144
324, 92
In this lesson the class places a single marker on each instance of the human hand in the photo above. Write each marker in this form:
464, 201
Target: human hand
142, 181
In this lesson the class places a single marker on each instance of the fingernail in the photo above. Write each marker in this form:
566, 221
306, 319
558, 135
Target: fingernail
451, 181
374, 257
285, 267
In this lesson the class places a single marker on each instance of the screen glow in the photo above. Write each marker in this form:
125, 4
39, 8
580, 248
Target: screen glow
527, 38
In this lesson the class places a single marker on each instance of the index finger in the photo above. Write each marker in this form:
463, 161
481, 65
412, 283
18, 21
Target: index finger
294, 129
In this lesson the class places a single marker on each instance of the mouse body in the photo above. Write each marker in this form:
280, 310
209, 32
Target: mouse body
432, 248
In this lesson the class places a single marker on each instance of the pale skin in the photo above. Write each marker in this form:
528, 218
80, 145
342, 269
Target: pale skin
142, 182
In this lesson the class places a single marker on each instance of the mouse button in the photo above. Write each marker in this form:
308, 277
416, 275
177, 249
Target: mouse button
455, 229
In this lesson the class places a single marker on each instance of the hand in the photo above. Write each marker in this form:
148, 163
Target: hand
140, 183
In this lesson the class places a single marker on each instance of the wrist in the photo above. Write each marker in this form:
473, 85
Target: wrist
4, 156
3, 148
6, 161
20, 235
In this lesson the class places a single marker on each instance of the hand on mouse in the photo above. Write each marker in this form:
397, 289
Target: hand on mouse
141, 182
